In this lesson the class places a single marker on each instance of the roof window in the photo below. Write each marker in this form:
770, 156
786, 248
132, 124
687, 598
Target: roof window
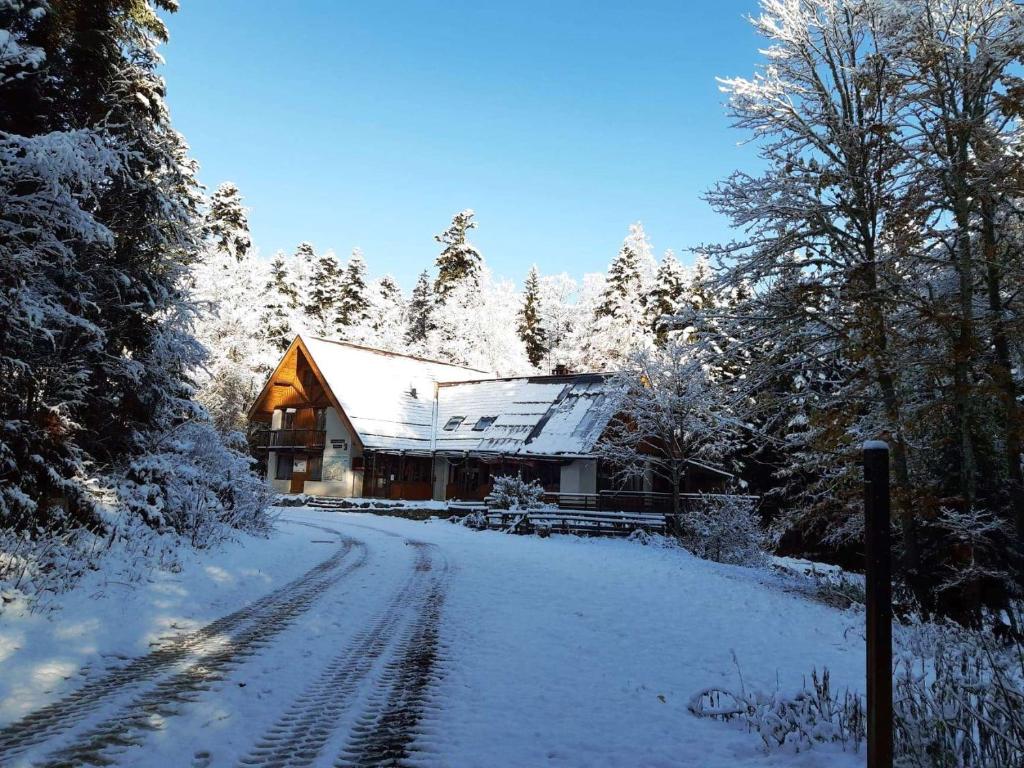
453, 423
483, 423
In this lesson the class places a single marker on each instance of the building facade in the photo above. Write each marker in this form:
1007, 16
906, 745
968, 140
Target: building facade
338, 419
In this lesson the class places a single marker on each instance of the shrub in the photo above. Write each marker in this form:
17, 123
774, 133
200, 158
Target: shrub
726, 529
958, 702
513, 493
814, 714
198, 484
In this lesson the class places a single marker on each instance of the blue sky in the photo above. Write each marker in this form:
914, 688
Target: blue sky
370, 124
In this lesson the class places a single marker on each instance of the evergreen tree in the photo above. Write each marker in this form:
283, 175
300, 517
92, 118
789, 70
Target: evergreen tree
280, 302
623, 286
459, 260
421, 312
227, 222
324, 290
100, 209
387, 326
353, 302
531, 332
669, 286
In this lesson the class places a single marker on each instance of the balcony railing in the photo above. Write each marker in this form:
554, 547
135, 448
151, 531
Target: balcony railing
286, 439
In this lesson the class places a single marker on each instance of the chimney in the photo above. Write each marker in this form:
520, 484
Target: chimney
561, 369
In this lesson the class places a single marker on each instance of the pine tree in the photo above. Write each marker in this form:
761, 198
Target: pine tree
324, 290
227, 222
100, 210
421, 312
669, 286
387, 325
459, 261
531, 332
353, 302
623, 286
280, 302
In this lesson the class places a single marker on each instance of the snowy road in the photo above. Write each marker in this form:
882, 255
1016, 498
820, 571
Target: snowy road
387, 641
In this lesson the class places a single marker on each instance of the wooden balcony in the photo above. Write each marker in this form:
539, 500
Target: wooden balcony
290, 440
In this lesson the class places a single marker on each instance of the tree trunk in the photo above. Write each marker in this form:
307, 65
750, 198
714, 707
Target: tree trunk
1002, 372
676, 524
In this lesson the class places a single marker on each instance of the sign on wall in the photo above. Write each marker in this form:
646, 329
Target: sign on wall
334, 467
299, 465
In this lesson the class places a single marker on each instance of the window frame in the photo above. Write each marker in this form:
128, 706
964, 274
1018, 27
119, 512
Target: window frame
453, 423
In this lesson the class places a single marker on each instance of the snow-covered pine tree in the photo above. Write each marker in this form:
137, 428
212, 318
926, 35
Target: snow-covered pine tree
459, 261
531, 330
620, 324
280, 305
669, 287
100, 205
227, 221
226, 281
353, 301
420, 314
323, 291
387, 325
559, 315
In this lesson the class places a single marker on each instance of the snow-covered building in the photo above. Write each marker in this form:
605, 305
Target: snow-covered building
338, 419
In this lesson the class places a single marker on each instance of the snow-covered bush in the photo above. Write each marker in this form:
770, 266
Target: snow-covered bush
512, 492
814, 714
958, 702
197, 483
725, 529
959, 698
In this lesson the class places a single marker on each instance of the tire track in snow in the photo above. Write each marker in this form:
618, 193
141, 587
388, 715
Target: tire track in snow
392, 720
212, 646
396, 634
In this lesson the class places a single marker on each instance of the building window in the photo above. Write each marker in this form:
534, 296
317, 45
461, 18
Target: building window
483, 423
284, 466
453, 423
288, 419
315, 468
320, 419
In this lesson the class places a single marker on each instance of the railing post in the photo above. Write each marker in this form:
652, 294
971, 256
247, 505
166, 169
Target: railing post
878, 586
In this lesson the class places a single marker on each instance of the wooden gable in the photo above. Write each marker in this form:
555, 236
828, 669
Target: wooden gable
297, 383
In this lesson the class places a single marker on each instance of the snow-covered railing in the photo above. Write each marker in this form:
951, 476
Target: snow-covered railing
632, 501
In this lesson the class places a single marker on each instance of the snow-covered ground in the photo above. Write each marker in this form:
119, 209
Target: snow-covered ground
455, 647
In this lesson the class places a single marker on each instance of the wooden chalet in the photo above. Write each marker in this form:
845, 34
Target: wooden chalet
338, 419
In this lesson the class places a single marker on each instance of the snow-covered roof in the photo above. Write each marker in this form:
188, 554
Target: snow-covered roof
390, 398
530, 416
387, 397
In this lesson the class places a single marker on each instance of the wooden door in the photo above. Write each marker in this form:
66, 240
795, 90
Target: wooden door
298, 480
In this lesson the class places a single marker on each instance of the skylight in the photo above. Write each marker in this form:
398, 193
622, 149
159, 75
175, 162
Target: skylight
483, 423
453, 423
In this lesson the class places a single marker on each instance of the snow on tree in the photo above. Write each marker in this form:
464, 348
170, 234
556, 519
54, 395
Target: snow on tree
227, 221
459, 261
322, 297
669, 288
620, 324
530, 328
387, 316
280, 299
559, 314
226, 288
476, 326
353, 301
420, 313
669, 413
99, 210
